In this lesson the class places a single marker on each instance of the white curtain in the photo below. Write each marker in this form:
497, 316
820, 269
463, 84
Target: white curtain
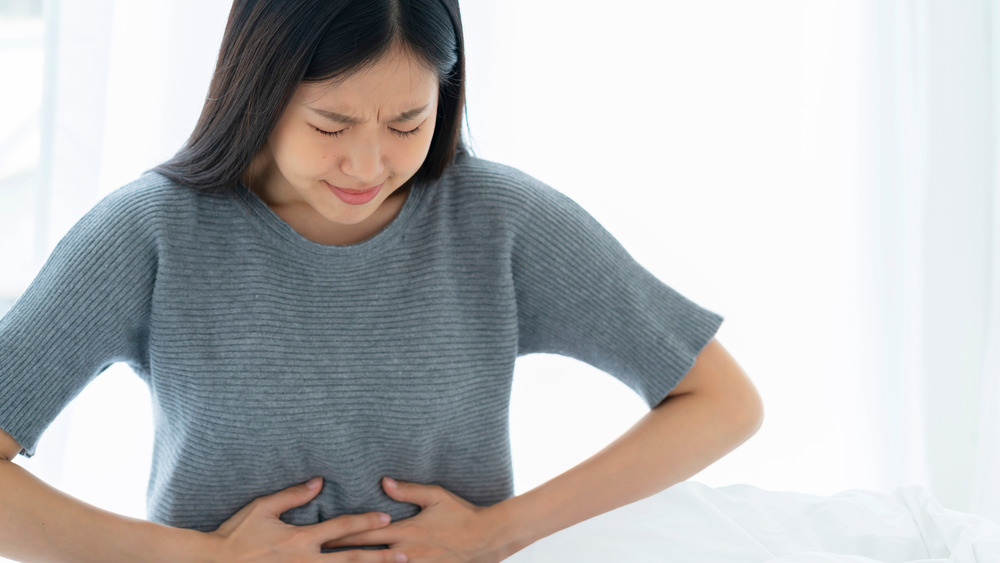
934, 185
986, 484
822, 173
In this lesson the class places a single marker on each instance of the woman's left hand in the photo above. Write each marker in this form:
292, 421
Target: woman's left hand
448, 529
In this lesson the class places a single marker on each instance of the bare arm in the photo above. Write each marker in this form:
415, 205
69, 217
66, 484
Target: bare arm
39, 523
711, 411
714, 409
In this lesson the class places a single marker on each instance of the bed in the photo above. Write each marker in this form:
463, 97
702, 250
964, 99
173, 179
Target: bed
692, 522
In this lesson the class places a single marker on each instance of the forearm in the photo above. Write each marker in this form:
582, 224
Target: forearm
712, 410
670, 444
39, 523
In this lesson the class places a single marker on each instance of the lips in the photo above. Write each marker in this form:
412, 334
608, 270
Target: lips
353, 196
356, 191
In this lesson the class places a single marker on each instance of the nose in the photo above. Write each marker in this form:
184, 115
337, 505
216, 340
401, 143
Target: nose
363, 162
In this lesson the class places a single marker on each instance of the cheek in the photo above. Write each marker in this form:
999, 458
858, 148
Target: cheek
404, 158
300, 156
413, 156
417, 153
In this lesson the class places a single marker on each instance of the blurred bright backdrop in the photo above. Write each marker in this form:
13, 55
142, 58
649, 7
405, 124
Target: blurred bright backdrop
823, 173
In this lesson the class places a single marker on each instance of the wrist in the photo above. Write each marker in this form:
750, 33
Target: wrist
169, 544
513, 527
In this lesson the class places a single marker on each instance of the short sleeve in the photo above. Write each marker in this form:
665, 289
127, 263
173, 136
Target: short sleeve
580, 294
87, 308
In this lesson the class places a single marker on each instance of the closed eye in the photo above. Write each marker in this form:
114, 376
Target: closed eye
401, 134
406, 134
330, 133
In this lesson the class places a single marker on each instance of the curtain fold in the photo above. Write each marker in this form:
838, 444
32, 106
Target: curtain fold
934, 180
958, 232
897, 175
986, 484
78, 51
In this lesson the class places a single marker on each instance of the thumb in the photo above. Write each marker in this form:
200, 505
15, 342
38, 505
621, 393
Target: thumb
413, 493
296, 495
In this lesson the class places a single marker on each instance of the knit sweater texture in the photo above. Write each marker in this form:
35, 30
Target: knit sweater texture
272, 359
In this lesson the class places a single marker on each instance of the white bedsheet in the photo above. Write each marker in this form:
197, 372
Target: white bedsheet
691, 522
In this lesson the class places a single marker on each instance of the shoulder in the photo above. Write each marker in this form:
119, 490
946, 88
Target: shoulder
483, 184
496, 202
151, 193
154, 198
144, 210
478, 171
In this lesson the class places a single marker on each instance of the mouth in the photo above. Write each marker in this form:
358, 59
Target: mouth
355, 196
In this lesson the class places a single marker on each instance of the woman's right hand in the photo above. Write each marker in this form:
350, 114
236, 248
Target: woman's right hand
257, 534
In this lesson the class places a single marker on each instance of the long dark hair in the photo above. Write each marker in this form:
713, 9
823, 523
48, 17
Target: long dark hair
270, 46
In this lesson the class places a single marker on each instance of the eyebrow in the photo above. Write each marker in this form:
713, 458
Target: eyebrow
348, 120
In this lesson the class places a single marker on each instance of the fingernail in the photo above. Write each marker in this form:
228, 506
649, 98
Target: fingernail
400, 558
385, 518
390, 482
314, 483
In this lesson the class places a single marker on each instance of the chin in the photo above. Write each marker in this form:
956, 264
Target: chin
355, 218
345, 220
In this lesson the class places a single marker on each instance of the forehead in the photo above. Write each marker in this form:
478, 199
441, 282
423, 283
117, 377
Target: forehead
396, 82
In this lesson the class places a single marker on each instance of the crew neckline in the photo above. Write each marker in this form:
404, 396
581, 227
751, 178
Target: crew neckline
265, 217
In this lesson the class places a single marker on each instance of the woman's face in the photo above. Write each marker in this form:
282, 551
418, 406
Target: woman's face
341, 149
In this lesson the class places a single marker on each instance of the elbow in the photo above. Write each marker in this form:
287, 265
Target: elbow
757, 417
748, 414
731, 400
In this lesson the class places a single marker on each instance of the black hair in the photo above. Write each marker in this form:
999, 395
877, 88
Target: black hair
271, 46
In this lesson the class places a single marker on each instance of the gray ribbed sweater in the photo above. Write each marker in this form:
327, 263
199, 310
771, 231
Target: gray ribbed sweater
272, 359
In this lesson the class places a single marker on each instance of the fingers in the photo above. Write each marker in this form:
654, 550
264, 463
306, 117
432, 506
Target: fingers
368, 556
383, 536
348, 525
413, 493
287, 499
357, 530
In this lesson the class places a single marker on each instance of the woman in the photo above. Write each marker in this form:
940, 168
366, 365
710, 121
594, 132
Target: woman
323, 288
